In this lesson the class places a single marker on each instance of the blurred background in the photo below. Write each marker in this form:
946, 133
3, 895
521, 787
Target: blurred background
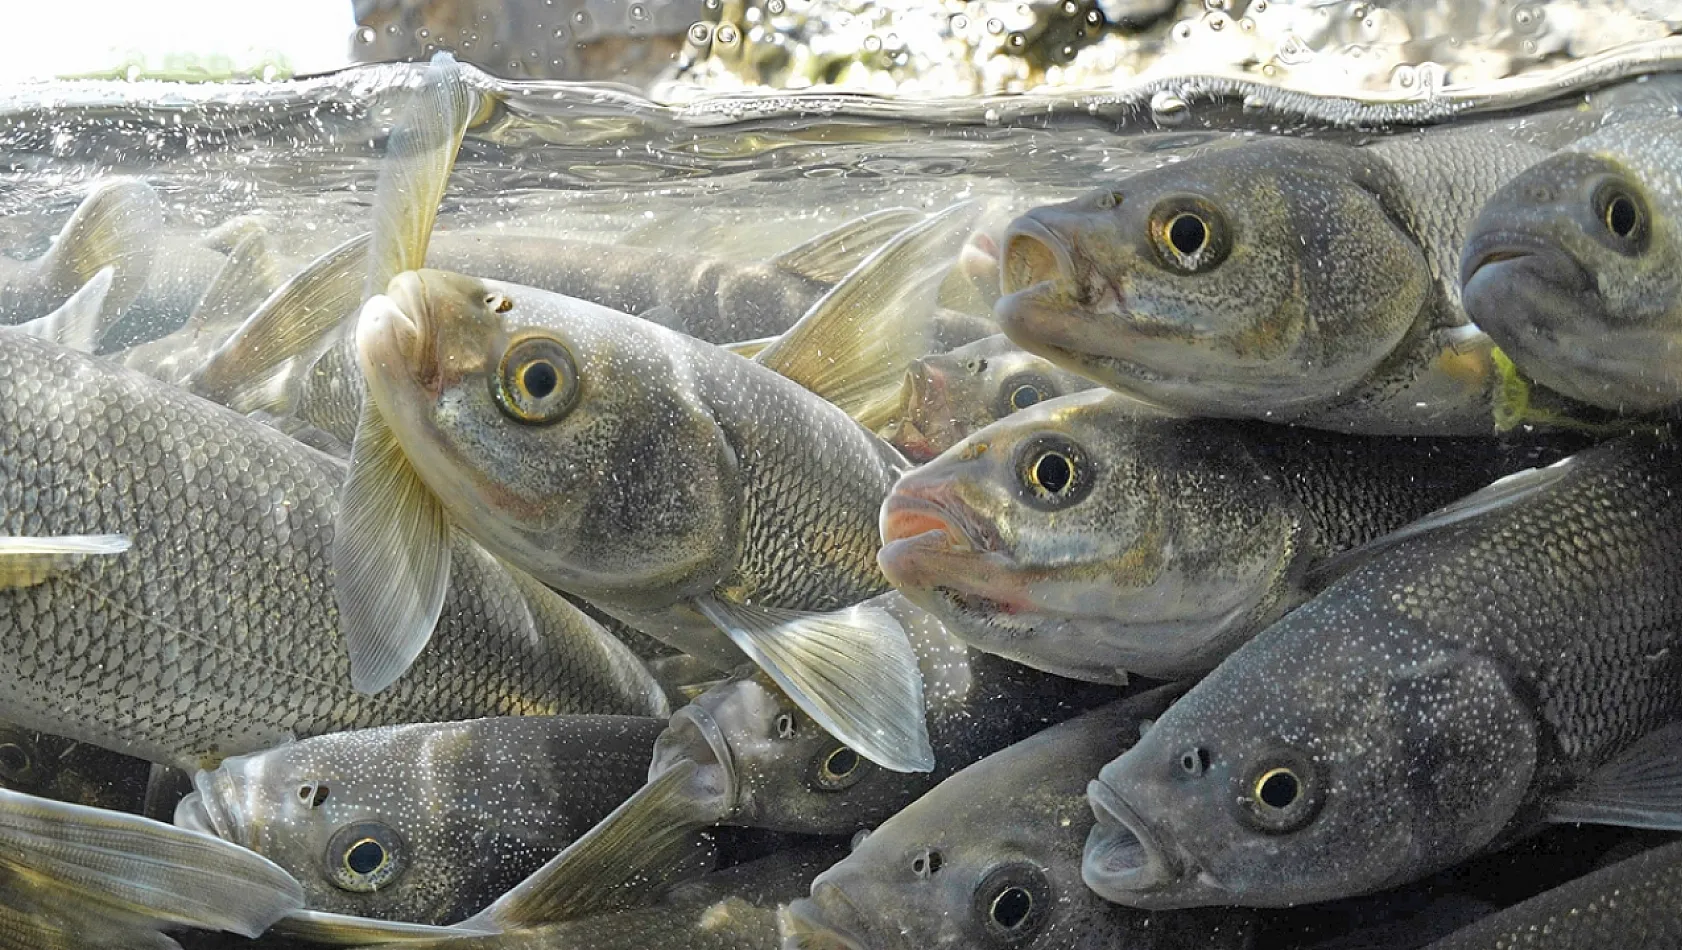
677, 49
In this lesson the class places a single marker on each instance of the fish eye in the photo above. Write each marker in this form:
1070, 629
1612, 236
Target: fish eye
498, 303
313, 794
1622, 214
17, 761
1280, 796
926, 864
1053, 472
1021, 391
1195, 761
365, 856
840, 768
1014, 902
538, 381
785, 726
1024, 396
1189, 235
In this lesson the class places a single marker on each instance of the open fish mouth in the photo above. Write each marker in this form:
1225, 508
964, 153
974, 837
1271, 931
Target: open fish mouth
918, 516
807, 925
1123, 861
1503, 247
1034, 254
209, 809
694, 736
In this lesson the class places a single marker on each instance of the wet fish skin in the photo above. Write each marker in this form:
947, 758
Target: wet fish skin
1313, 283
173, 651
1476, 676
116, 225
946, 870
1578, 306
1174, 539
949, 395
1629, 904
766, 764
459, 811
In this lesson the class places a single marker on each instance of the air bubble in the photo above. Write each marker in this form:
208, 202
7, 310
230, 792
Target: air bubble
726, 34
366, 35
775, 7
639, 12
1016, 41
873, 43
992, 117
700, 33
959, 22
995, 26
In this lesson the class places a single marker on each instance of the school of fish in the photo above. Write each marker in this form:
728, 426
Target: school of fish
1275, 548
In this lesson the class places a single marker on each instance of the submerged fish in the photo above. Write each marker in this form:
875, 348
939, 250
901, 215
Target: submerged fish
1287, 280
947, 396
1575, 268
78, 878
1093, 537
1631, 904
1514, 659
991, 858
427, 822
117, 226
167, 590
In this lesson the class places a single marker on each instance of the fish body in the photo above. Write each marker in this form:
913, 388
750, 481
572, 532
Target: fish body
176, 650
1511, 660
116, 226
1285, 280
991, 858
1093, 537
426, 822
1575, 268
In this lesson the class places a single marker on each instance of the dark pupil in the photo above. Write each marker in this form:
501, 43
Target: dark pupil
365, 856
13, 759
1621, 216
1188, 234
540, 378
1023, 397
1053, 472
842, 762
1280, 790
1011, 907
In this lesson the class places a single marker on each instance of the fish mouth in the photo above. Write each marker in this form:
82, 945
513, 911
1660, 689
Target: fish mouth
1124, 862
209, 809
922, 398
932, 520
1033, 255
1493, 249
827, 920
393, 329
693, 735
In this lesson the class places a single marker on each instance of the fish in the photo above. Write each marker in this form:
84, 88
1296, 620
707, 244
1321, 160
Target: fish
49, 766
73, 877
731, 909
948, 395
167, 563
1572, 268
1511, 660
117, 225
713, 502
1278, 279
425, 822
991, 858
1093, 537
1631, 903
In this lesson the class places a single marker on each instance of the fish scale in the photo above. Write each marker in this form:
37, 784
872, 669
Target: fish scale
217, 634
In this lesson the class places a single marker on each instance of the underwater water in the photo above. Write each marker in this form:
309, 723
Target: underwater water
1196, 513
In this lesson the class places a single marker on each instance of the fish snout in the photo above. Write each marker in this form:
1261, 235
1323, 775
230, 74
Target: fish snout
1124, 862
1034, 254
213, 809
825, 921
693, 735
1489, 251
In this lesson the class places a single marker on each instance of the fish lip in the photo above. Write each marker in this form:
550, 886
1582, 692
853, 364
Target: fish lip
213, 811
395, 327
1504, 247
965, 531
1016, 274
1124, 860
807, 925
670, 748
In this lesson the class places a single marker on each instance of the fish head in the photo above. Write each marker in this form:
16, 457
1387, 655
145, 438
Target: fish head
1089, 535
1570, 268
565, 437
1264, 276
948, 396
766, 764
1303, 771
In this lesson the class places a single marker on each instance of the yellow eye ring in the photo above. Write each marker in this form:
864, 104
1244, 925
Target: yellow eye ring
840, 764
1277, 789
1622, 217
538, 382
1052, 473
366, 857
1024, 396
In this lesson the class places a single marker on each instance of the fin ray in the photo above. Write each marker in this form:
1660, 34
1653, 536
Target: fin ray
830, 256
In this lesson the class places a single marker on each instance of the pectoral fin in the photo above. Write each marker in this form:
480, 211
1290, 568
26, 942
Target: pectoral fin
833, 254
77, 323
343, 930
851, 670
25, 562
1640, 788
853, 346
117, 225
650, 842
391, 557
74, 876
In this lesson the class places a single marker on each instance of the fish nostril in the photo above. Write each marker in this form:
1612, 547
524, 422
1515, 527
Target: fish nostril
1028, 261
